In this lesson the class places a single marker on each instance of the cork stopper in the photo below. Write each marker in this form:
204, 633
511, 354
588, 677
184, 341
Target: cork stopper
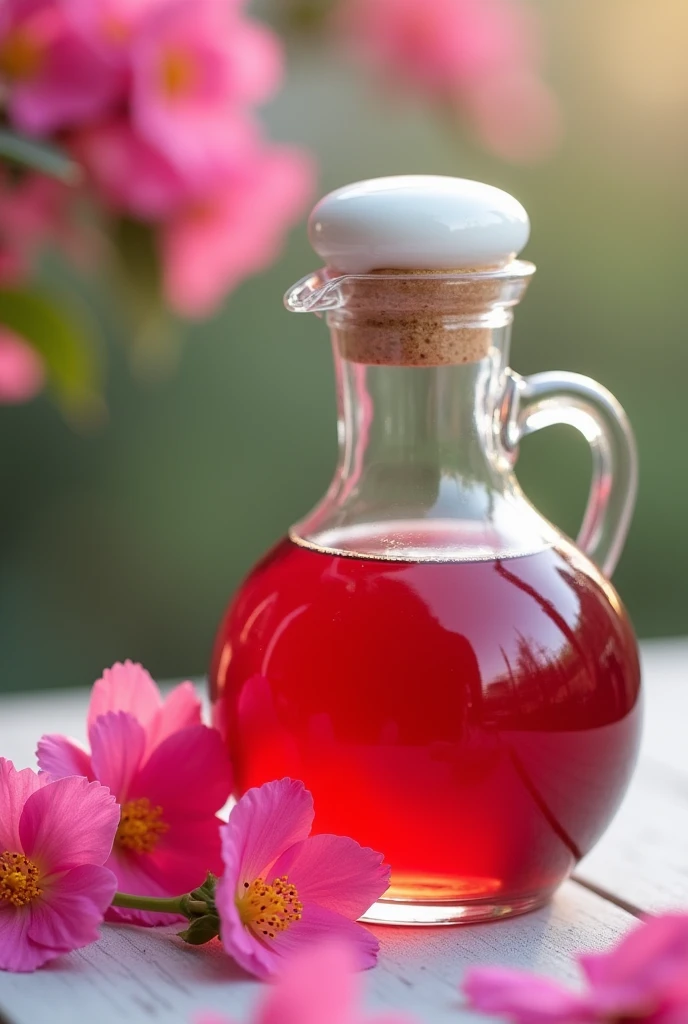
426, 267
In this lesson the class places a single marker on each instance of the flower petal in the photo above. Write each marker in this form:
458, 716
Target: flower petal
125, 687
22, 372
59, 756
68, 823
181, 709
15, 789
319, 986
133, 877
185, 854
70, 912
646, 960
335, 872
527, 998
318, 925
189, 774
238, 942
118, 741
73, 86
17, 952
134, 177
264, 823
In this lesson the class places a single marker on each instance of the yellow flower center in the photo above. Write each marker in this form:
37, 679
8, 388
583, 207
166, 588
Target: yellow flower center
177, 73
268, 909
18, 879
21, 57
140, 826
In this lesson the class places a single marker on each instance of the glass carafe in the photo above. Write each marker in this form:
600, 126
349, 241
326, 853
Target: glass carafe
455, 681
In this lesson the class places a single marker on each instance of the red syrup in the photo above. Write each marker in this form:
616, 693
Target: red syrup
477, 722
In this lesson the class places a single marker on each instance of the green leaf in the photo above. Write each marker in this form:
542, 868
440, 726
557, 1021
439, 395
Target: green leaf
206, 891
39, 156
138, 261
201, 930
153, 342
67, 346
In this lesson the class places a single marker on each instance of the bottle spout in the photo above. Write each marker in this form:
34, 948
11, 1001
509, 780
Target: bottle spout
315, 293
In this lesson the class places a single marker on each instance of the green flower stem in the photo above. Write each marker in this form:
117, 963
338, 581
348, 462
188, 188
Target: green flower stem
183, 905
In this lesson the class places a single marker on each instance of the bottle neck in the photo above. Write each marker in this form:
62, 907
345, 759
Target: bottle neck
409, 433
420, 473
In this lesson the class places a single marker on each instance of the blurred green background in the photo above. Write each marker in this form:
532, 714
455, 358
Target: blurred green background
128, 542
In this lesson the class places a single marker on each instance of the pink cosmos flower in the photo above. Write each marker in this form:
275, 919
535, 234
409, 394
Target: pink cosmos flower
169, 774
479, 56
22, 374
645, 978
54, 839
53, 78
320, 987
234, 231
196, 64
283, 889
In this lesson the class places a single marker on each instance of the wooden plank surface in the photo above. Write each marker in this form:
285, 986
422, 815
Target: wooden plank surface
643, 858
140, 975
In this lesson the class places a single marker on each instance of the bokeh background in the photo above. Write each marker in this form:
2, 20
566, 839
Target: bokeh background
127, 541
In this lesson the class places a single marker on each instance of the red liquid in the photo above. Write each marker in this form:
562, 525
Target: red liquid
477, 722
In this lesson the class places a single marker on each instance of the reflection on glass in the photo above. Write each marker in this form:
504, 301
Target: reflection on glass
475, 721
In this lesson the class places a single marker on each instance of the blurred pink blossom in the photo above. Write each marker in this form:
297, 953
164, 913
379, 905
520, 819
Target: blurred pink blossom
644, 978
32, 211
109, 25
237, 230
52, 77
320, 987
515, 115
22, 374
130, 175
479, 56
133, 176
197, 65
156, 99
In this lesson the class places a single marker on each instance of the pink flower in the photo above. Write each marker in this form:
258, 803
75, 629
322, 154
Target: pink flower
320, 987
196, 65
54, 79
129, 174
32, 210
515, 115
134, 176
169, 774
645, 978
22, 374
234, 231
54, 839
479, 56
109, 25
283, 888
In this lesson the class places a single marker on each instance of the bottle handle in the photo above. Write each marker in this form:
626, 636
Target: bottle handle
531, 403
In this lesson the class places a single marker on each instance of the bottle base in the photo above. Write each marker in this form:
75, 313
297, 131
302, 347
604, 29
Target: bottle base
450, 912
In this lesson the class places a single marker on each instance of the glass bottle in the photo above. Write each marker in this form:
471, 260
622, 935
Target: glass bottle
455, 681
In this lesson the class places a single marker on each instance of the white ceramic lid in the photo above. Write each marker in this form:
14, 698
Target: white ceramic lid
417, 222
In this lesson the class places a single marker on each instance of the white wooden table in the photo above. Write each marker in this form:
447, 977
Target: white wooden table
141, 975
